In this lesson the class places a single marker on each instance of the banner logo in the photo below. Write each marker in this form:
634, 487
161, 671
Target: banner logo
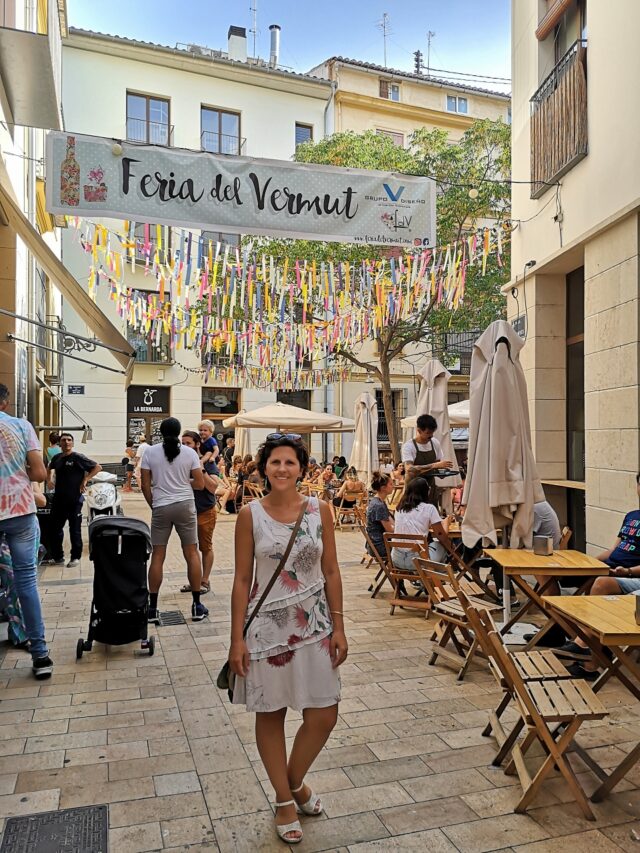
393, 196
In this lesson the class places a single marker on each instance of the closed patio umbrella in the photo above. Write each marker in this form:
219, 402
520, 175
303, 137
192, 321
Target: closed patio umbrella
364, 453
243, 442
502, 482
433, 400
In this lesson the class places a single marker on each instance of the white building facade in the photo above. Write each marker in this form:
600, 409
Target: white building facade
193, 98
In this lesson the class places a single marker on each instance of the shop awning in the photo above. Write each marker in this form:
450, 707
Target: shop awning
85, 308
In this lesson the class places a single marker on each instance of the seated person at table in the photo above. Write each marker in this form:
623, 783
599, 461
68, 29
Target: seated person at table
340, 468
397, 475
352, 487
545, 523
624, 578
326, 477
379, 519
313, 470
416, 514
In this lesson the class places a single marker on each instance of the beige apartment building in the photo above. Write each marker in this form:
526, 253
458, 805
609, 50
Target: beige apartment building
396, 103
575, 254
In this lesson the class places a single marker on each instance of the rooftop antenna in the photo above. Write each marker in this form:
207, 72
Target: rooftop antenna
386, 30
253, 8
430, 35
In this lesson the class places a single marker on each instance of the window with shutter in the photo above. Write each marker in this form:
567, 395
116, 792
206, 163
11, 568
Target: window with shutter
304, 133
384, 88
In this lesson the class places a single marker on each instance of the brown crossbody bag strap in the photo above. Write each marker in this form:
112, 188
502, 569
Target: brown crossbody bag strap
281, 565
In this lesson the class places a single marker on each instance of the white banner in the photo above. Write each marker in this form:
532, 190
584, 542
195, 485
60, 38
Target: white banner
95, 177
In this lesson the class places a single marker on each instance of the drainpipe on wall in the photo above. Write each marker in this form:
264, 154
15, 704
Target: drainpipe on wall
329, 124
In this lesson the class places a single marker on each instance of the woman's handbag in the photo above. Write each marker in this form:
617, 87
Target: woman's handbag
226, 678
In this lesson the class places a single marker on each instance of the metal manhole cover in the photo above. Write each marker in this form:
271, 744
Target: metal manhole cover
171, 617
82, 830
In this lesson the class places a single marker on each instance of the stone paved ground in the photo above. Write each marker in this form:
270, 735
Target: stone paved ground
406, 768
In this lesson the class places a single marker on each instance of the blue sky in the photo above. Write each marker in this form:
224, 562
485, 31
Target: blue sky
472, 36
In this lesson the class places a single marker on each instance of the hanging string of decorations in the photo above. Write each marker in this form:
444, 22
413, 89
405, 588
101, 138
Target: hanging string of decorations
250, 316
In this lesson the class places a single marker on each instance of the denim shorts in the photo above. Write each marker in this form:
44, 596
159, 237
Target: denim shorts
628, 585
182, 516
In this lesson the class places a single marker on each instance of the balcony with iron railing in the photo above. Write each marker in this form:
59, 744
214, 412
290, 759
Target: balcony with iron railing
149, 132
148, 351
559, 136
454, 350
222, 143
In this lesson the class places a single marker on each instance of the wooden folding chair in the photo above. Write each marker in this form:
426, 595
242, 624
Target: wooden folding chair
536, 665
251, 492
464, 568
564, 704
373, 555
442, 585
394, 498
397, 577
347, 516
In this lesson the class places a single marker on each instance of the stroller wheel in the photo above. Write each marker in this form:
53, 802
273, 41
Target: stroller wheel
79, 648
151, 645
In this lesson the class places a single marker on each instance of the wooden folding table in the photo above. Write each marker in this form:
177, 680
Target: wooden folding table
517, 562
608, 620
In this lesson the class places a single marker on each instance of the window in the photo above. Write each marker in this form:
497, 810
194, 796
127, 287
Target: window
148, 119
457, 105
388, 90
220, 131
304, 133
141, 236
399, 405
232, 240
396, 138
219, 403
149, 349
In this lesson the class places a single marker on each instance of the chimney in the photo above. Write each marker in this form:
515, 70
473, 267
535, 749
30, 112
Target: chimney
237, 44
274, 54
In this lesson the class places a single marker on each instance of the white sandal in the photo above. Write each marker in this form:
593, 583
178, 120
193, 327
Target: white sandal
285, 828
313, 806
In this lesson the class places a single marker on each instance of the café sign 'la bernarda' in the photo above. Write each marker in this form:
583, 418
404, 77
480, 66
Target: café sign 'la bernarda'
95, 177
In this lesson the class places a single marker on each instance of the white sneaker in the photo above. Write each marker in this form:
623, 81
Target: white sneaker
73, 563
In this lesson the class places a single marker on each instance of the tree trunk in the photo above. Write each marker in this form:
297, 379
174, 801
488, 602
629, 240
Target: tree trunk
389, 414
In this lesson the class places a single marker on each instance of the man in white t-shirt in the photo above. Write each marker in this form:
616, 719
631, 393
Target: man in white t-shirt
423, 454
170, 472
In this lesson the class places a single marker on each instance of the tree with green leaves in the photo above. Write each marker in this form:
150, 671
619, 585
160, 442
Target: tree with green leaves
472, 178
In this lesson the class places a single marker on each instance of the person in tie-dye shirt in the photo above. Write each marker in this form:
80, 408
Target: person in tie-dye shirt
21, 463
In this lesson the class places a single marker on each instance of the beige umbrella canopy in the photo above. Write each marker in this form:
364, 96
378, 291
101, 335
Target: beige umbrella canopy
281, 417
502, 480
364, 453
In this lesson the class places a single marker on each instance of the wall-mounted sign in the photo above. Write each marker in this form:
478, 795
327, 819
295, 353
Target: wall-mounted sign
75, 389
95, 177
145, 400
520, 325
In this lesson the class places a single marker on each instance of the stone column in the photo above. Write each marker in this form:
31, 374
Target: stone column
8, 302
612, 354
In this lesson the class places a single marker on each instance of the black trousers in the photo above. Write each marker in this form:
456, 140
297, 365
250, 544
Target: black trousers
61, 513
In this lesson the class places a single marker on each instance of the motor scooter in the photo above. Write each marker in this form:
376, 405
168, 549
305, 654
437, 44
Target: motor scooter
102, 495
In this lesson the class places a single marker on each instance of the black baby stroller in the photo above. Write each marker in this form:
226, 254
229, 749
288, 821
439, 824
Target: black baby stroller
120, 548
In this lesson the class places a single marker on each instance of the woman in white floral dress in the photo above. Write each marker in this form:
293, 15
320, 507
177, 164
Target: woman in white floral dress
293, 649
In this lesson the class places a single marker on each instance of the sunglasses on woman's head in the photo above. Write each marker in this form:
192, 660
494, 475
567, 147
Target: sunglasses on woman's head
276, 436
